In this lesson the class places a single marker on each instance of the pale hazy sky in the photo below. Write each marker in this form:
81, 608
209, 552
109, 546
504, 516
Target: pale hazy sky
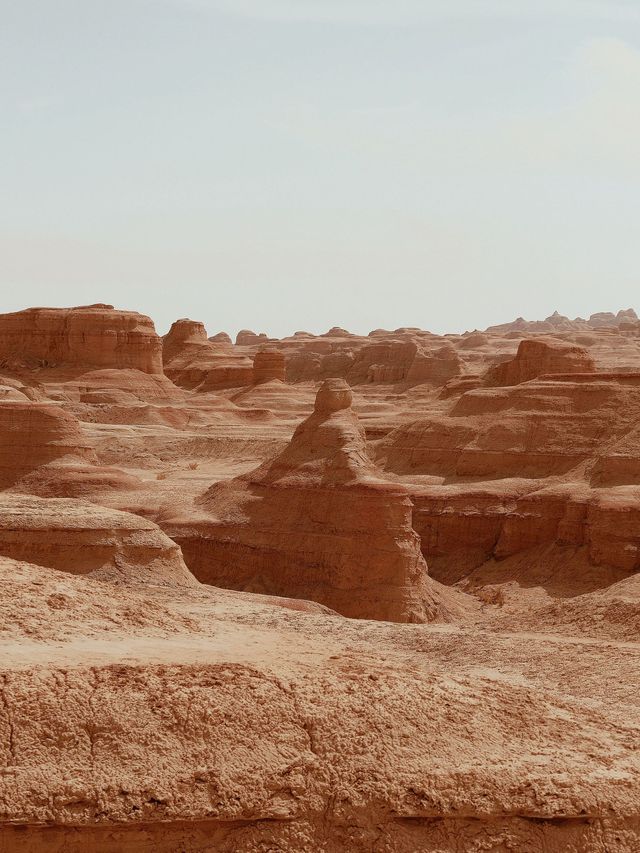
297, 164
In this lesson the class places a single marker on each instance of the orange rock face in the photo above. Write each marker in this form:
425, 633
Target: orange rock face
268, 365
78, 537
35, 434
95, 335
535, 358
218, 631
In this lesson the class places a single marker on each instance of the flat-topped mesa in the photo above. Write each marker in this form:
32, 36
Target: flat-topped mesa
81, 538
88, 336
405, 359
193, 361
537, 358
35, 434
317, 521
268, 365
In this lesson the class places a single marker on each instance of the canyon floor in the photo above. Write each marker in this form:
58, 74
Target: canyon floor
325, 593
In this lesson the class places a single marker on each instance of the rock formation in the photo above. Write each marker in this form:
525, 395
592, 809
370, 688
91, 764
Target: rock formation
318, 521
194, 362
36, 434
89, 336
220, 338
78, 537
538, 357
385, 361
268, 365
557, 322
141, 709
45, 451
246, 337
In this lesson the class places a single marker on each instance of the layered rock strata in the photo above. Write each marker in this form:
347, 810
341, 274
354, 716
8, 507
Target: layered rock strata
538, 357
194, 362
88, 336
318, 521
82, 538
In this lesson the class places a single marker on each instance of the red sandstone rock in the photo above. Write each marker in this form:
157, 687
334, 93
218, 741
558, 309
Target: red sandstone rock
44, 451
91, 336
318, 521
539, 429
437, 365
384, 361
221, 338
248, 338
78, 537
537, 357
603, 319
35, 434
392, 358
268, 365
194, 362
188, 719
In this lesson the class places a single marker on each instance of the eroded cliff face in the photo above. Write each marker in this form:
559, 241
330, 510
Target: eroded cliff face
81, 538
144, 709
268, 366
34, 434
95, 335
544, 472
538, 357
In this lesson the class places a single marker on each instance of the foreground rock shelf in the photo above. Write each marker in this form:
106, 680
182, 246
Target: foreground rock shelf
177, 721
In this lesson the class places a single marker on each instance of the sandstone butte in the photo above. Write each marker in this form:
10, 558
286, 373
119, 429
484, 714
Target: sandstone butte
332, 592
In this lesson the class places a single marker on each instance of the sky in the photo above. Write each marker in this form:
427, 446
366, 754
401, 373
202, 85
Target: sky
286, 165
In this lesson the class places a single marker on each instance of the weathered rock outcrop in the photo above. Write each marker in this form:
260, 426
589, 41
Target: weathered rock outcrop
557, 322
81, 538
386, 361
318, 521
194, 362
36, 434
542, 428
45, 451
89, 336
403, 357
247, 338
268, 365
462, 526
538, 357
435, 365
